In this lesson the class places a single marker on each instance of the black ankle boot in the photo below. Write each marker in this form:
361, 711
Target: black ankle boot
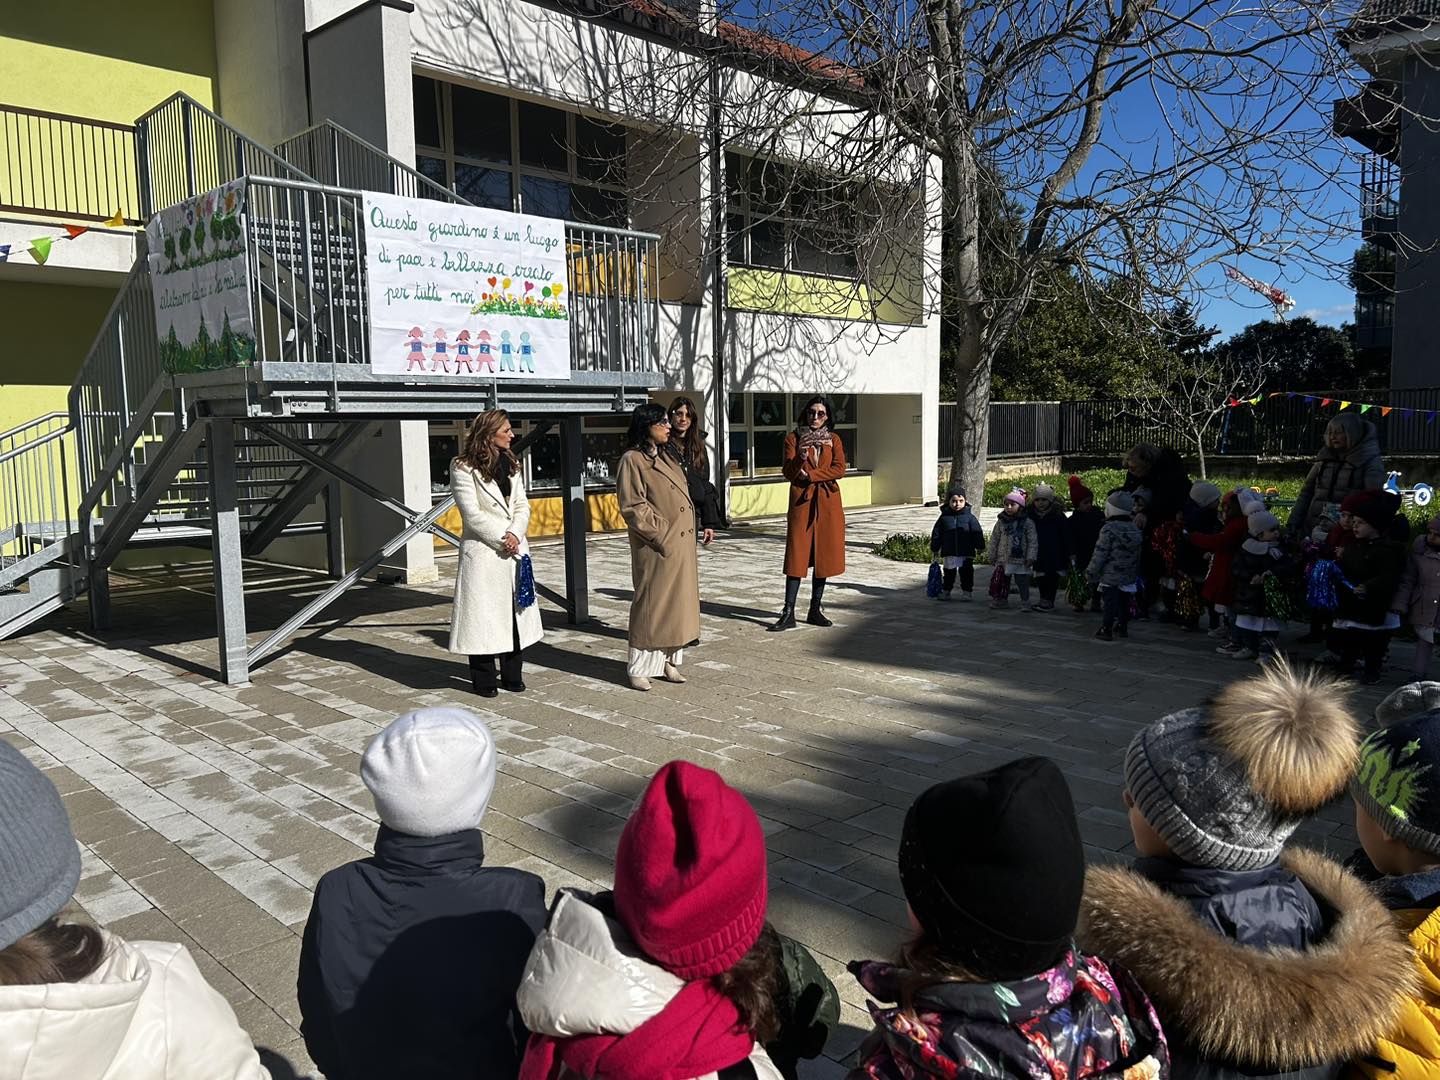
817, 617
786, 620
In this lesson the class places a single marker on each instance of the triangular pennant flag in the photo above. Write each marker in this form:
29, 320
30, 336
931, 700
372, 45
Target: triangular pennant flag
76, 230
1387, 410
1233, 402
1431, 418
4, 252
1344, 405
1408, 413
1310, 399
1366, 408
1256, 400
1325, 401
116, 222
40, 249
1291, 393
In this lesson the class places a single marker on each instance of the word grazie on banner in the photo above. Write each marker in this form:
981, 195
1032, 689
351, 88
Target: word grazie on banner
459, 292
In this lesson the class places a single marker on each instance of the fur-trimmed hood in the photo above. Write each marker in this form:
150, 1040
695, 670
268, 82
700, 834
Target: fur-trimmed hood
1270, 1010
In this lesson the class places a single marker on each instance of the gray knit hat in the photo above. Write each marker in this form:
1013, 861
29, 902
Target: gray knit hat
1412, 699
1227, 783
39, 862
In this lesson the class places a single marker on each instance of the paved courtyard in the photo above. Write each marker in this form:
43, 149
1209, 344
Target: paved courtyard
206, 813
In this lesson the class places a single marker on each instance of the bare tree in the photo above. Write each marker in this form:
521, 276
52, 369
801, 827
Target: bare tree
1149, 141
1190, 391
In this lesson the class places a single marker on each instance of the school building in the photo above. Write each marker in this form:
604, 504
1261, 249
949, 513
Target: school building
531, 107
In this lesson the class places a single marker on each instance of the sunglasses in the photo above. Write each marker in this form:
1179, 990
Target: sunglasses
817, 412
662, 422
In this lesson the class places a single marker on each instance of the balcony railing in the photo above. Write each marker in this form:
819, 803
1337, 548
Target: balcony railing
67, 166
338, 157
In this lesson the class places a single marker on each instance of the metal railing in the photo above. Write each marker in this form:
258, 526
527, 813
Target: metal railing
36, 512
338, 157
1017, 429
183, 149
71, 166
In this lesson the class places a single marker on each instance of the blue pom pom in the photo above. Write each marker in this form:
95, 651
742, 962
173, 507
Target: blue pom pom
1320, 585
525, 584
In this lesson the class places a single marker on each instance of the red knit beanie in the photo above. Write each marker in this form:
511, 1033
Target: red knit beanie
690, 872
1079, 492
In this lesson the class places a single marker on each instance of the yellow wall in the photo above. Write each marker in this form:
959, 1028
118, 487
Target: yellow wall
746, 501
61, 322
753, 289
103, 59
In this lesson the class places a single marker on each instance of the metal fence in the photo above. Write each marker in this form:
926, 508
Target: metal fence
53, 163
336, 156
1288, 425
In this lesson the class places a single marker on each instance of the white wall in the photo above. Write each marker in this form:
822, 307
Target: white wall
260, 56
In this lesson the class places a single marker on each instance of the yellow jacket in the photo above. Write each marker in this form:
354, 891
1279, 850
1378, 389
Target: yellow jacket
1412, 1051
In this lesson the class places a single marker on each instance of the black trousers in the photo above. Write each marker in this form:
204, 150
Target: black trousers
967, 577
1361, 646
482, 667
1115, 607
1049, 583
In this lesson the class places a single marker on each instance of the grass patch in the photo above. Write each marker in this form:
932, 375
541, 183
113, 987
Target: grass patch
905, 547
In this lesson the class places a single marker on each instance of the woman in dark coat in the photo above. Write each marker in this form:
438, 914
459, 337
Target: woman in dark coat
814, 462
687, 446
1349, 462
1162, 473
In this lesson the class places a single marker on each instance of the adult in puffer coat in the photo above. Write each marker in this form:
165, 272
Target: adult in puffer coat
665, 978
77, 1003
1349, 461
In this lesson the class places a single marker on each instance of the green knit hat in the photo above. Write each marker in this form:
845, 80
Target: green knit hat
1398, 781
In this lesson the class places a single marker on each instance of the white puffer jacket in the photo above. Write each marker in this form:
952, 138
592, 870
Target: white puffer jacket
146, 1014
585, 977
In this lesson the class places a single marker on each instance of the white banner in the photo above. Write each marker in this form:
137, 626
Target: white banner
460, 292
201, 283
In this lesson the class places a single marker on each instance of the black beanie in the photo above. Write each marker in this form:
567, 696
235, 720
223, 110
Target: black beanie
1377, 509
993, 867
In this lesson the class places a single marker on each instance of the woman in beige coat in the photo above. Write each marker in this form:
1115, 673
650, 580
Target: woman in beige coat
487, 622
655, 503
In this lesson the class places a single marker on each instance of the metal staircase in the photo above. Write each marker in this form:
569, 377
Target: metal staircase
232, 459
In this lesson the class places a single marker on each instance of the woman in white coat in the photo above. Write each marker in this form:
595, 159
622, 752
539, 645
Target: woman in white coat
488, 623
80, 1003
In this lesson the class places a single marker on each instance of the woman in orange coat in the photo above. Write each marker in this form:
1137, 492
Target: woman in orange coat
815, 533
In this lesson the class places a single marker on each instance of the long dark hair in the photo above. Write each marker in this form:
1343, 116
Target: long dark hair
479, 452
802, 420
926, 964
690, 447
640, 420
54, 952
754, 985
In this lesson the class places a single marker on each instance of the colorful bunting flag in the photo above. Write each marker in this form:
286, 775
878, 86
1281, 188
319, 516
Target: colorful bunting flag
76, 230
1386, 410
1325, 401
4, 252
1366, 408
40, 249
116, 222
1344, 405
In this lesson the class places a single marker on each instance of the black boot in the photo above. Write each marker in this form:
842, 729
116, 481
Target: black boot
786, 620
817, 617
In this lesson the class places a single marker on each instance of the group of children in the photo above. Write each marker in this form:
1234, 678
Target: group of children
1223, 557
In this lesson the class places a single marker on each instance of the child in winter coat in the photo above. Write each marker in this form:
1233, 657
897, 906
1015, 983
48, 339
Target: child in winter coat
1200, 517
422, 937
1336, 541
1222, 547
956, 537
1260, 963
1085, 522
1397, 817
1260, 558
78, 1002
1115, 566
992, 984
1014, 546
1053, 551
675, 973
1372, 564
1418, 596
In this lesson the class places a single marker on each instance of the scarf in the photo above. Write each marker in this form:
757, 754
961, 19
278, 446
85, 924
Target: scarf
1016, 527
810, 438
698, 1032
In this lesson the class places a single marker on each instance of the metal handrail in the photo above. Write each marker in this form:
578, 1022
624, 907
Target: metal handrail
351, 159
183, 149
72, 166
33, 423
58, 433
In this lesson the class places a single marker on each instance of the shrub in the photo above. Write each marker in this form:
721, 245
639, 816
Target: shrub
905, 547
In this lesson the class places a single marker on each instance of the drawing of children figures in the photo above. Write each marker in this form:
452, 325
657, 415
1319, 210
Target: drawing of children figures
462, 352
441, 356
527, 352
507, 352
417, 349
486, 357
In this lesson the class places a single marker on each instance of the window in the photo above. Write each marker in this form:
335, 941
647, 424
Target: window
445, 440
783, 218
760, 422
517, 155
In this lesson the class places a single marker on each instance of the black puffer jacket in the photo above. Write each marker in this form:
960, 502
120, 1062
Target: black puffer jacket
1252, 560
1169, 487
1054, 537
1377, 565
957, 533
411, 960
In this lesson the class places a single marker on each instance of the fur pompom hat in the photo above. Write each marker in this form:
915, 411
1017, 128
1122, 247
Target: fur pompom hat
1227, 783
1079, 493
